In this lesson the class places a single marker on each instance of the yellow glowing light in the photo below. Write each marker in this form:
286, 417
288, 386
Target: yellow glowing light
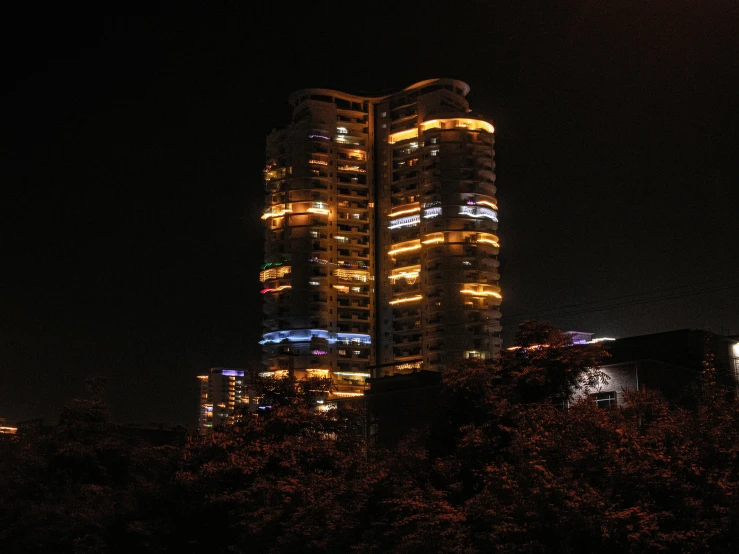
486, 203
351, 374
317, 210
480, 293
352, 274
203, 377
532, 347
488, 238
277, 374
277, 212
409, 273
355, 168
341, 288
402, 135
404, 247
317, 162
317, 372
408, 365
404, 275
433, 238
405, 211
274, 273
346, 394
406, 299
472, 124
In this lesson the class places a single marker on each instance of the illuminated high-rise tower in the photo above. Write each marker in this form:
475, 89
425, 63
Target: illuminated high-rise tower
381, 245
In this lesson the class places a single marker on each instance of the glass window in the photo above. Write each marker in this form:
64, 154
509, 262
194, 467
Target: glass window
604, 399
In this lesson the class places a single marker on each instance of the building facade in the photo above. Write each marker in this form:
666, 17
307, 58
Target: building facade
222, 391
381, 235
672, 362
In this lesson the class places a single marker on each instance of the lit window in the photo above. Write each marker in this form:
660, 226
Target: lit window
383, 114
356, 352
342, 130
604, 399
342, 352
314, 283
434, 152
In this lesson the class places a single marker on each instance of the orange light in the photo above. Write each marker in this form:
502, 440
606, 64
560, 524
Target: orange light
471, 124
405, 300
406, 211
402, 135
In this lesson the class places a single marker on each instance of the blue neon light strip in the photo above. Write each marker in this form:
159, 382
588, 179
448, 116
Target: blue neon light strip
305, 335
232, 372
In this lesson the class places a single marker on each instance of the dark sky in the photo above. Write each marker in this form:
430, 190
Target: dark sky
133, 144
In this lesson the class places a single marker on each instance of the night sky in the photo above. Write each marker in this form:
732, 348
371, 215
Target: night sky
134, 139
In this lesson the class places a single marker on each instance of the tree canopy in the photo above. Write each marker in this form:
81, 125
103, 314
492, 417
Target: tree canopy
501, 468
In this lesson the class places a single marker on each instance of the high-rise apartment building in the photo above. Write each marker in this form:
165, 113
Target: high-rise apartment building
381, 235
222, 391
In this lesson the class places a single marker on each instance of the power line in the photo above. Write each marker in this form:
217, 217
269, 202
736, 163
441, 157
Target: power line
631, 295
613, 303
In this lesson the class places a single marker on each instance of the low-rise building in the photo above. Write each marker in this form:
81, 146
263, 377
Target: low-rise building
671, 362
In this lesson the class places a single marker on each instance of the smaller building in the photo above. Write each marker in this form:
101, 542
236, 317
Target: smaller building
397, 404
222, 391
671, 362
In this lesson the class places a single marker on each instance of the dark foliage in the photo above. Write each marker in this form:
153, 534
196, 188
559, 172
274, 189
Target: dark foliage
501, 469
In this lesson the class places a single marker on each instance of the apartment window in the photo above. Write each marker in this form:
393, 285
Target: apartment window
604, 399
383, 114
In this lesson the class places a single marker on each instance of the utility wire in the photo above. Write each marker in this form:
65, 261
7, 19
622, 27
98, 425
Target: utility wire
580, 309
611, 304
632, 295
